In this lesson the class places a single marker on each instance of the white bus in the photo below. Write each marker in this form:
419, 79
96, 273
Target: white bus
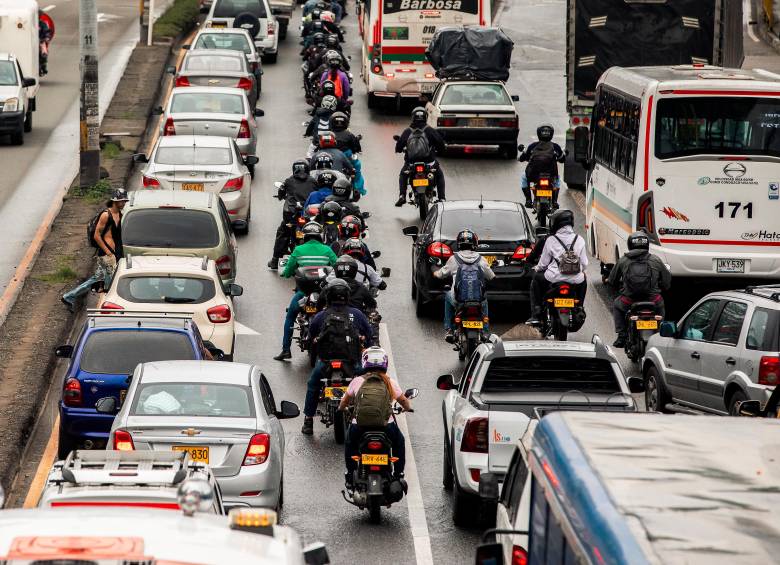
691, 155
395, 35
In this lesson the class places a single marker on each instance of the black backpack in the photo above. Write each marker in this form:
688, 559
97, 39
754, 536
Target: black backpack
339, 338
542, 160
638, 279
91, 227
418, 147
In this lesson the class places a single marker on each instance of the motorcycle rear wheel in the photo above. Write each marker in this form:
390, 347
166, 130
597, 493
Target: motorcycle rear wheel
374, 510
560, 331
541, 217
471, 346
422, 206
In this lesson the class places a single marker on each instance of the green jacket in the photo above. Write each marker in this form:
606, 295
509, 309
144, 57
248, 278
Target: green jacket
310, 254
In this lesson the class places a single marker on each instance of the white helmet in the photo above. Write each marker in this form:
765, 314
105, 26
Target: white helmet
374, 358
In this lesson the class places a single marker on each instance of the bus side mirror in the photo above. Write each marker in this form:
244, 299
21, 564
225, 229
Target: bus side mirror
581, 142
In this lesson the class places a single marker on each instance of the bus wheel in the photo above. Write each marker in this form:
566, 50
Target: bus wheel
373, 101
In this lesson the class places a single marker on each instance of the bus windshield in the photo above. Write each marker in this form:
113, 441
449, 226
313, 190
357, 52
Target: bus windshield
717, 125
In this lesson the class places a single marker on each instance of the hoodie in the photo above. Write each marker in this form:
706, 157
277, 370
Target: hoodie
451, 267
662, 278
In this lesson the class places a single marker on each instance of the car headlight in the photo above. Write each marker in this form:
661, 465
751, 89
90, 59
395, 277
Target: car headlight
11, 105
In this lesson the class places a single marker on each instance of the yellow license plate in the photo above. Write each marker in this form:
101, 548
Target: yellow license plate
196, 186
218, 24
198, 453
310, 309
329, 390
474, 325
298, 234
563, 303
490, 259
419, 182
547, 193
478, 122
647, 324
373, 459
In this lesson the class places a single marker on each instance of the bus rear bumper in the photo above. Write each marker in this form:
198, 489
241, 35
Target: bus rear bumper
704, 262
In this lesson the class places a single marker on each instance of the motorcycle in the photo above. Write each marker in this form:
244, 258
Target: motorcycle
469, 328
642, 321
544, 198
336, 376
308, 280
373, 483
421, 184
562, 313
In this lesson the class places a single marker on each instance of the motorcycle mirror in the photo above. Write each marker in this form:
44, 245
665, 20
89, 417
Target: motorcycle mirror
376, 254
385, 272
365, 215
411, 393
397, 137
278, 184
412, 231
521, 147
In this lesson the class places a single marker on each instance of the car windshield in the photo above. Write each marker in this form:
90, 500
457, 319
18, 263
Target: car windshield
117, 352
501, 225
232, 41
475, 95
166, 290
550, 374
193, 399
170, 227
193, 156
207, 102
716, 125
214, 63
8, 74
232, 8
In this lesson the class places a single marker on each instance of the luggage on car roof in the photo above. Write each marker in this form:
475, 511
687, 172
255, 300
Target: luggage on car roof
470, 53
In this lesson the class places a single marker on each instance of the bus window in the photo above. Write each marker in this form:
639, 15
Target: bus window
616, 132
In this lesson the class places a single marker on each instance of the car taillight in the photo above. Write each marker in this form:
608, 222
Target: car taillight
446, 122
150, 182
243, 130
511, 123
475, 436
245, 83
111, 306
169, 128
123, 441
522, 252
374, 445
219, 314
769, 371
233, 185
439, 249
71, 394
258, 449
270, 28
519, 555
224, 265
182, 81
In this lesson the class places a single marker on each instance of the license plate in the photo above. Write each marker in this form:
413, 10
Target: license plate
490, 259
196, 186
547, 193
218, 24
473, 325
647, 324
329, 391
198, 453
427, 87
731, 265
563, 303
310, 309
298, 234
478, 122
373, 459
420, 182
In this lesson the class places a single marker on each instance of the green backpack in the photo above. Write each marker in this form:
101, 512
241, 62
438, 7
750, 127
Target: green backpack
373, 402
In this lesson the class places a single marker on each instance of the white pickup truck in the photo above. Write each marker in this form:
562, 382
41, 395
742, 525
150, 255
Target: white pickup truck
490, 407
283, 10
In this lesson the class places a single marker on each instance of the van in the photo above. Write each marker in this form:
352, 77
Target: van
19, 36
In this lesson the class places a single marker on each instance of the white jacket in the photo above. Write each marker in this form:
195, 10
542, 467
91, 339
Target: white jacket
553, 249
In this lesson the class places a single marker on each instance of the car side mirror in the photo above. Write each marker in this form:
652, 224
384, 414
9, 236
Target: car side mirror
488, 488
215, 351
445, 382
235, 289
636, 384
376, 254
251, 160
170, 69
140, 158
490, 554
668, 329
316, 554
750, 408
542, 231
411, 231
411, 393
515, 98
288, 410
64, 351
581, 142
157, 111
106, 405
29, 82
186, 47
259, 113
204, 9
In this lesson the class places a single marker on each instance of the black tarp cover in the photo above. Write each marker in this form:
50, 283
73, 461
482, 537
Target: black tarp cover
471, 52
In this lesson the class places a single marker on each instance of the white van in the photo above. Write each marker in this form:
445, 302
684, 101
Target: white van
691, 155
19, 37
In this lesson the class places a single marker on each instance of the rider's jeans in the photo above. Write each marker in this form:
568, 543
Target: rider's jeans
449, 312
289, 320
539, 287
393, 434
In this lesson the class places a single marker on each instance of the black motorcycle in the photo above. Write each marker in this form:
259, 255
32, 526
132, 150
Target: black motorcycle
420, 184
308, 280
642, 321
544, 198
336, 376
469, 328
562, 312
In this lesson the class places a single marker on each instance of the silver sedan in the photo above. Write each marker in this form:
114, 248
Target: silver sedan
222, 414
217, 67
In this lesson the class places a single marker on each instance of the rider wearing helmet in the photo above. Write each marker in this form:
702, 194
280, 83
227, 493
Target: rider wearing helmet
562, 238
325, 179
435, 145
542, 157
465, 258
311, 253
346, 269
295, 190
349, 144
337, 75
342, 193
320, 120
642, 277
326, 142
374, 364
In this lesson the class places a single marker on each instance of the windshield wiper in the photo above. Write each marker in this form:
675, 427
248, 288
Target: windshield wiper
175, 300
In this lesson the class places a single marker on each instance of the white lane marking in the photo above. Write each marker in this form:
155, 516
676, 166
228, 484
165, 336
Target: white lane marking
49, 8
414, 500
241, 329
747, 13
101, 17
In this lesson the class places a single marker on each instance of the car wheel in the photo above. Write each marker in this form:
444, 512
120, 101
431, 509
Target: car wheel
734, 401
28, 122
447, 479
465, 508
65, 444
282, 32
270, 58
656, 396
419, 306
17, 138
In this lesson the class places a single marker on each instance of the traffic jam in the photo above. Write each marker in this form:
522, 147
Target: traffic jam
480, 314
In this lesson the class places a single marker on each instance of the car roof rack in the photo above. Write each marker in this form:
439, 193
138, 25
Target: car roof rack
106, 467
107, 312
775, 296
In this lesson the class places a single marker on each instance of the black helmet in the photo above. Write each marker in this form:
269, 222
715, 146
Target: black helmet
318, 38
339, 121
315, 14
312, 230
638, 240
328, 88
334, 60
331, 212
560, 219
300, 168
329, 102
467, 239
545, 132
323, 161
346, 267
316, 26
337, 292
419, 116
326, 179
353, 247
351, 226
332, 40
342, 188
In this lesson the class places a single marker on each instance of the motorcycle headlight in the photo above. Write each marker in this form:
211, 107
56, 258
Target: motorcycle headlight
11, 105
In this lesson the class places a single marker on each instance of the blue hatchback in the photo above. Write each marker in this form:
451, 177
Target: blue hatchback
102, 364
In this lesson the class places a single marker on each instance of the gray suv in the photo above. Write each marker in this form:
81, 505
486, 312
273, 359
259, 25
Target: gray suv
725, 350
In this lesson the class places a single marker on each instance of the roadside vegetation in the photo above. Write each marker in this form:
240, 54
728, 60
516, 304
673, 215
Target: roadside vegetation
179, 18
63, 274
93, 194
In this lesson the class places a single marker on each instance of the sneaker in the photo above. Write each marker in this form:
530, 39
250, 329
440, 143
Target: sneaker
308, 426
620, 342
556, 206
273, 264
68, 303
529, 204
400, 202
285, 354
533, 321
449, 336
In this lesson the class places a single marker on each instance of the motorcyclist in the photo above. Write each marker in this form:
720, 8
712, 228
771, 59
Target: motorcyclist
366, 274
342, 194
311, 253
542, 157
547, 272
314, 50
329, 24
436, 143
335, 74
294, 190
321, 119
326, 143
325, 181
374, 361
465, 257
642, 277
327, 88
359, 332
349, 144
352, 228
359, 296
311, 5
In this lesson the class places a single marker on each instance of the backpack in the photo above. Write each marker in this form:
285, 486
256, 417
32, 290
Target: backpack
568, 261
339, 338
91, 227
469, 282
418, 147
542, 160
638, 279
373, 402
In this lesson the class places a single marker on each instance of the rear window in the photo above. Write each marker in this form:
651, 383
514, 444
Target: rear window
214, 63
232, 41
476, 95
166, 290
487, 224
117, 352
193, 399
550, 374
763, 330
207, 102
193, 156
170, 227
232, 8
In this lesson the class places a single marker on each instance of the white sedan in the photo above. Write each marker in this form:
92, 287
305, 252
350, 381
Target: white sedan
204, 164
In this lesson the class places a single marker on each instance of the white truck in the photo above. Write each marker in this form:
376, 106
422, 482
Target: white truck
283, 10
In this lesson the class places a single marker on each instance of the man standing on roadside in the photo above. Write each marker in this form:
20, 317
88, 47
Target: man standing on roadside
107, 238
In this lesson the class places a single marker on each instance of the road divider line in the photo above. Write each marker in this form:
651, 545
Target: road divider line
414, 501
42, 472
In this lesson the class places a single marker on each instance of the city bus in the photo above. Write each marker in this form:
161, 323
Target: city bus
689, 154
395, 35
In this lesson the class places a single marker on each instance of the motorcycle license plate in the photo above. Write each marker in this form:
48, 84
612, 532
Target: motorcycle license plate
374, 459
329, 391
547, 193
420, 182
196, 186
198, 453
473, 325
563, 303
647, 324
310, 309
